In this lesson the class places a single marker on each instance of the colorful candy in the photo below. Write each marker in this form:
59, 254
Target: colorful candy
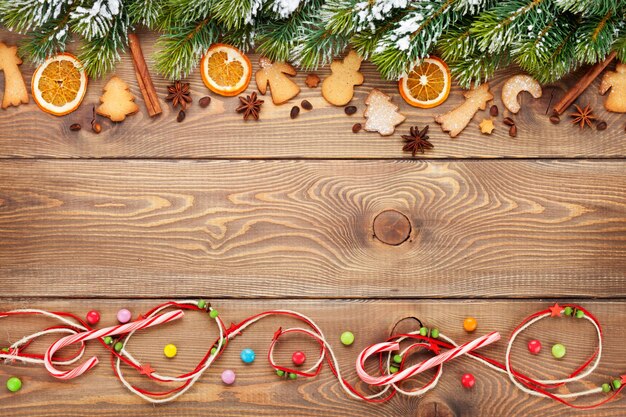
93, 317
228, 377
298, 358
534, 346
170, 350
347, 338
468, 380
558, 351
470, 324
124, 316
14, 384
247, 355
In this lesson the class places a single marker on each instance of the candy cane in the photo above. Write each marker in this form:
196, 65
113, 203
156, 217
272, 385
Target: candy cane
417, 368
96, 334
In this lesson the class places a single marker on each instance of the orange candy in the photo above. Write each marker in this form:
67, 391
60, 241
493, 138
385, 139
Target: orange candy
470, 324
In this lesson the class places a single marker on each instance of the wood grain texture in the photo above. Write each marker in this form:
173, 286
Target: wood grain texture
305, 228
259, 392
324, 132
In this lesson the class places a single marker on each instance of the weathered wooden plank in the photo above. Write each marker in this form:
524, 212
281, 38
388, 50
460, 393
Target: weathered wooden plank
305, 228
259, 392
325, 132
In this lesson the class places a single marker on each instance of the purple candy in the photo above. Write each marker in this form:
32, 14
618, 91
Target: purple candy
228, 377
124, 316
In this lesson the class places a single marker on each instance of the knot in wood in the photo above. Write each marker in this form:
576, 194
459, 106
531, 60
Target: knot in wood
434, 409
392, 227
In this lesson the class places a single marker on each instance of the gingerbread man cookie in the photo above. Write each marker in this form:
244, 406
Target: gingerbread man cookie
616, 82
338, 88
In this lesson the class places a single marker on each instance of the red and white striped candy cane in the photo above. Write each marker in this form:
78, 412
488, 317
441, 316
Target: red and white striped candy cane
417, 368
99, 333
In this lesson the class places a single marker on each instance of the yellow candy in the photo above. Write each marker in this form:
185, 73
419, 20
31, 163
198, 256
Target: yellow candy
169, 351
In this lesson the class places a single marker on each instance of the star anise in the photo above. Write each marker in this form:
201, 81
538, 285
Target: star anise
179, 94
417, 140
583, 117
250, 106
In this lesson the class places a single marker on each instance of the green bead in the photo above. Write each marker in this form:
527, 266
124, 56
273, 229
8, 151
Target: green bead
201, 303
580, 314
280, 372
568, 311
213, 350
617, 384
434, 333
118, 347
5, 350
14, 384
108, 340
393, 369
558, 351
347, 338
214, 314
293, 376
423, 331
397, 358
606, 387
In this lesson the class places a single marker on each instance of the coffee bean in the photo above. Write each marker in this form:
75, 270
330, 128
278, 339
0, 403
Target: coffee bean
306, 105
295, 111
96, 127
493, 111
601, 125
513, 131
350, 110
555, 119
75, 127
508, 121
356, 128
205, 101
181, 116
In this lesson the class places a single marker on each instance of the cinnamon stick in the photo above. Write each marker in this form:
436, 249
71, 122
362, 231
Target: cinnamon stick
577, 89
143, 76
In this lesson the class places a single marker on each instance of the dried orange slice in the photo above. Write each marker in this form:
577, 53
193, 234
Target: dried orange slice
59, 84
427, 84
225, 70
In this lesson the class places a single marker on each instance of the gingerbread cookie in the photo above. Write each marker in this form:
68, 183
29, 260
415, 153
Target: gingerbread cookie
14, 87
457, 119
616, 82
515, 85
486, 126
338, 88
381, 114
117, 100
275, 74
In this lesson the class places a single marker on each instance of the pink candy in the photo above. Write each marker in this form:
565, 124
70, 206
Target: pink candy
228, 377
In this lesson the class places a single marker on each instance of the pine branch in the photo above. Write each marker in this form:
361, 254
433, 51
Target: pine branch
317, 47
99, 55
595, 36
145, 12
181, 49
592, 7
476, 69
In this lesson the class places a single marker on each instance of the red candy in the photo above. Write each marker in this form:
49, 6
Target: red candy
298, 358
534, 347
93, 317
468, 380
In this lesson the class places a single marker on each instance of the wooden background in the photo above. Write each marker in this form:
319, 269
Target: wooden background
279, 213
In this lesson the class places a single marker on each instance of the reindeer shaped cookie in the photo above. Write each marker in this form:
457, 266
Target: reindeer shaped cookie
14, 88
338, 88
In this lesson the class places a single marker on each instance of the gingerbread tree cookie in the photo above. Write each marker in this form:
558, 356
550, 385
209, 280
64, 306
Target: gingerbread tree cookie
117, 100
14, 87
616, 82
457, 119
338, 88
381, 114
275, 74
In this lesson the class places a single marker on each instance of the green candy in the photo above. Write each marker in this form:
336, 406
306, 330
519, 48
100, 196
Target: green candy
397, 358
213, 350
606, 387
5, 350
617, 383
558, 351
423, 331
201, 303
118, 347
108, 340
568, 311
293, 376
434, 333
393, 369
214, 314
580, 314
347, 338
280, 372
14, 384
